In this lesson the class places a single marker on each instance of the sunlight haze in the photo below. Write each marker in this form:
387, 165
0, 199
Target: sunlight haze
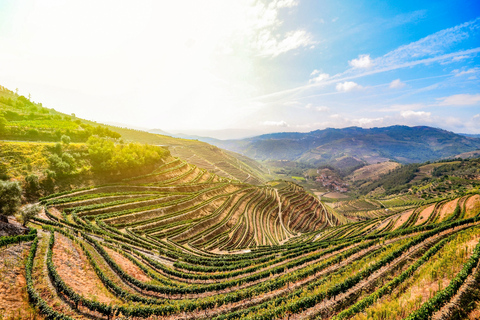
201, 67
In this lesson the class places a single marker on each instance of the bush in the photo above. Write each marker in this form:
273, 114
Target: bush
10, 196
65, 139
32, 185
29, 212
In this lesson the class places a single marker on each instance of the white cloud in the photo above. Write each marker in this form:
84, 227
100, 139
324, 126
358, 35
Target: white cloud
321, 77
285, 3
476, 116
397, 84
367, 121
291, 103
275, 123
458, 58
404, 107
428, 50
269, 45
319, 108
348, 86
363, 61
415, 114
460, 100
464, 72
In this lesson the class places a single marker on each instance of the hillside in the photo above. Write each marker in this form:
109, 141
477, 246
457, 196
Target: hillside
24, 120
427, 179
178, 229
183, 244
350, 147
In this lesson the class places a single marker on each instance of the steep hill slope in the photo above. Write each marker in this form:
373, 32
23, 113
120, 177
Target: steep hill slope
24, 120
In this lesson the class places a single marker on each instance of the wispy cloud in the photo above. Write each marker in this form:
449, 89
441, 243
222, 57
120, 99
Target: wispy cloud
404, 107
317, 108
275, 123
270, 45
261, 32
460, 100
320, 77
431, 49
471, 71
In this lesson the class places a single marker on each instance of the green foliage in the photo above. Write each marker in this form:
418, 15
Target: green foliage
65, 139
32, 185
395, 182
5, 241
107, 156
10, 197
28, 212
3, 125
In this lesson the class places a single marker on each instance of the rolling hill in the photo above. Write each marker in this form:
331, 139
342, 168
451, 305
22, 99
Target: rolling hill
355, 146
23, 121
178, 229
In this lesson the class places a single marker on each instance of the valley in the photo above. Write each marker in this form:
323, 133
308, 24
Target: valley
138, 225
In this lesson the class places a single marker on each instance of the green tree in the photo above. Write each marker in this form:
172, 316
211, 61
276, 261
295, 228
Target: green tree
65, 139
101, 152
58, 165
10, 197
28, 212
31, 185
3, 125
48, 184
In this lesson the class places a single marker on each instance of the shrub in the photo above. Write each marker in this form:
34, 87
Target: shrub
29, 212
10, 196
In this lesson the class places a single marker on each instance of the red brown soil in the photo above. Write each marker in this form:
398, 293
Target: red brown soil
55, 212
13, 292
128, 266
423, 216
73, 267
403, 218
472, 207
447, 209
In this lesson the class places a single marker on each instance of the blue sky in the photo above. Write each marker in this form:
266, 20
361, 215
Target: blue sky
206, 66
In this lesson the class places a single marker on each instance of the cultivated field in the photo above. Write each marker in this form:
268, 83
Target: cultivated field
183, 243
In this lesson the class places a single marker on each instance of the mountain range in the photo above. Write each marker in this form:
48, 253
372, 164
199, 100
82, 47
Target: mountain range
354, 144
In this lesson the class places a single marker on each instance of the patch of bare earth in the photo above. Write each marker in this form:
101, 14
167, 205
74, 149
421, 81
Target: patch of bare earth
73, 267
472, 206
423, 216
128, 266
55, 212
447, 209
13, 292
374, 171
402, 219
42, 283
333, 195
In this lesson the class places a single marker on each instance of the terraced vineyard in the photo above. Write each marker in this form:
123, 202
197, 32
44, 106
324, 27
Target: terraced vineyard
183, 243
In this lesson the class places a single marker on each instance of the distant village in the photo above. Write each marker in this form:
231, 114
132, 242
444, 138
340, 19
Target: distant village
330, 181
